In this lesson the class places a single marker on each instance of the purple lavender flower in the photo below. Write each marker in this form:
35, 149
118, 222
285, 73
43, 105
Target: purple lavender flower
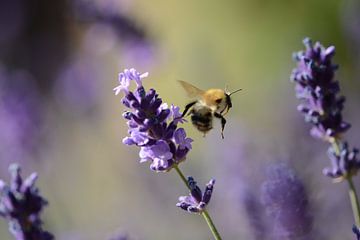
285, 200
316, 87
196, 201
152, 125
356, 231
344, 165
21, 205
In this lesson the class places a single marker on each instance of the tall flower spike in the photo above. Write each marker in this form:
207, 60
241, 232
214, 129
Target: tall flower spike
21, 205
322, 106
196, 201
152, 125
316, 87
285, 200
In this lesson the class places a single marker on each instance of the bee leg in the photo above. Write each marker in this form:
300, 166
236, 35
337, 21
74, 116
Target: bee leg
223, 122
187, 107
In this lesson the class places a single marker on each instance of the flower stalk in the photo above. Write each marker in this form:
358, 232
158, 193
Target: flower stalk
211, 225
153, 126
204, 213
354, 200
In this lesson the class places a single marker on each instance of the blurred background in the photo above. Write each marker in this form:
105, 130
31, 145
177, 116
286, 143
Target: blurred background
59, 62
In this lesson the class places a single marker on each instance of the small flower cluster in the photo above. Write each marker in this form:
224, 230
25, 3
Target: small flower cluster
285, 200
345, 164
196, 201
316, 87
152, 124
21, 205
322, 106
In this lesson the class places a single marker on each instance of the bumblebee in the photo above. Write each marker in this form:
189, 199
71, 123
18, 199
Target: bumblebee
210, 103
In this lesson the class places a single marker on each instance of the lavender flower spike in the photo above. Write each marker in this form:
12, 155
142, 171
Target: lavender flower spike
196, 201
152, 124
322, 106
21, 205
316, 87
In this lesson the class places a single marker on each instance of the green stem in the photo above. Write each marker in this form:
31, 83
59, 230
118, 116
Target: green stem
183, 178
205, 214
211, 225
354, 200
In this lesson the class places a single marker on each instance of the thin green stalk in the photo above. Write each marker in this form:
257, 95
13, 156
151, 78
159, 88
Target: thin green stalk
205, 214
211, 225
354, 200
183, 178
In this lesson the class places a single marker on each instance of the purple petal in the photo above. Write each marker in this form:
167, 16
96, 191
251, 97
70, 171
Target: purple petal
208, 191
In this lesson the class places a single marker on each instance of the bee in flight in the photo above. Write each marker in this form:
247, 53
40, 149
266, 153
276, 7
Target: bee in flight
210, 103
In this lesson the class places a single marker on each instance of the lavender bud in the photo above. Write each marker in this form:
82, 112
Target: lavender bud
196, 201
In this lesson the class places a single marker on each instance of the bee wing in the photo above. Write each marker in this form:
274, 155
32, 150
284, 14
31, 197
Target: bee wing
191, 90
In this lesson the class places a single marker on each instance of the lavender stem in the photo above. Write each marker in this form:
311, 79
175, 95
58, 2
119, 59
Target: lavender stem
211, 225
205, 214
183, 178
354, 200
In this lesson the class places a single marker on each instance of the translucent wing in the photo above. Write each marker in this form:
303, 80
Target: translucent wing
191, 90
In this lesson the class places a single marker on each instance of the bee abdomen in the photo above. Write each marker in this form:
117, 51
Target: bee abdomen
203, 122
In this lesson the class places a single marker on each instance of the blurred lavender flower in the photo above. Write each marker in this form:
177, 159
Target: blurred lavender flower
40, 38
285, 200
344, 165
76, 88
107, 13
21, 205
111, 18
316, 87
356, 231
254, 214
196, 201
20, 116
162, 143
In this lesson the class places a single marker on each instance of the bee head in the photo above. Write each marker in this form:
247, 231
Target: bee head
228, 101
228, 98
